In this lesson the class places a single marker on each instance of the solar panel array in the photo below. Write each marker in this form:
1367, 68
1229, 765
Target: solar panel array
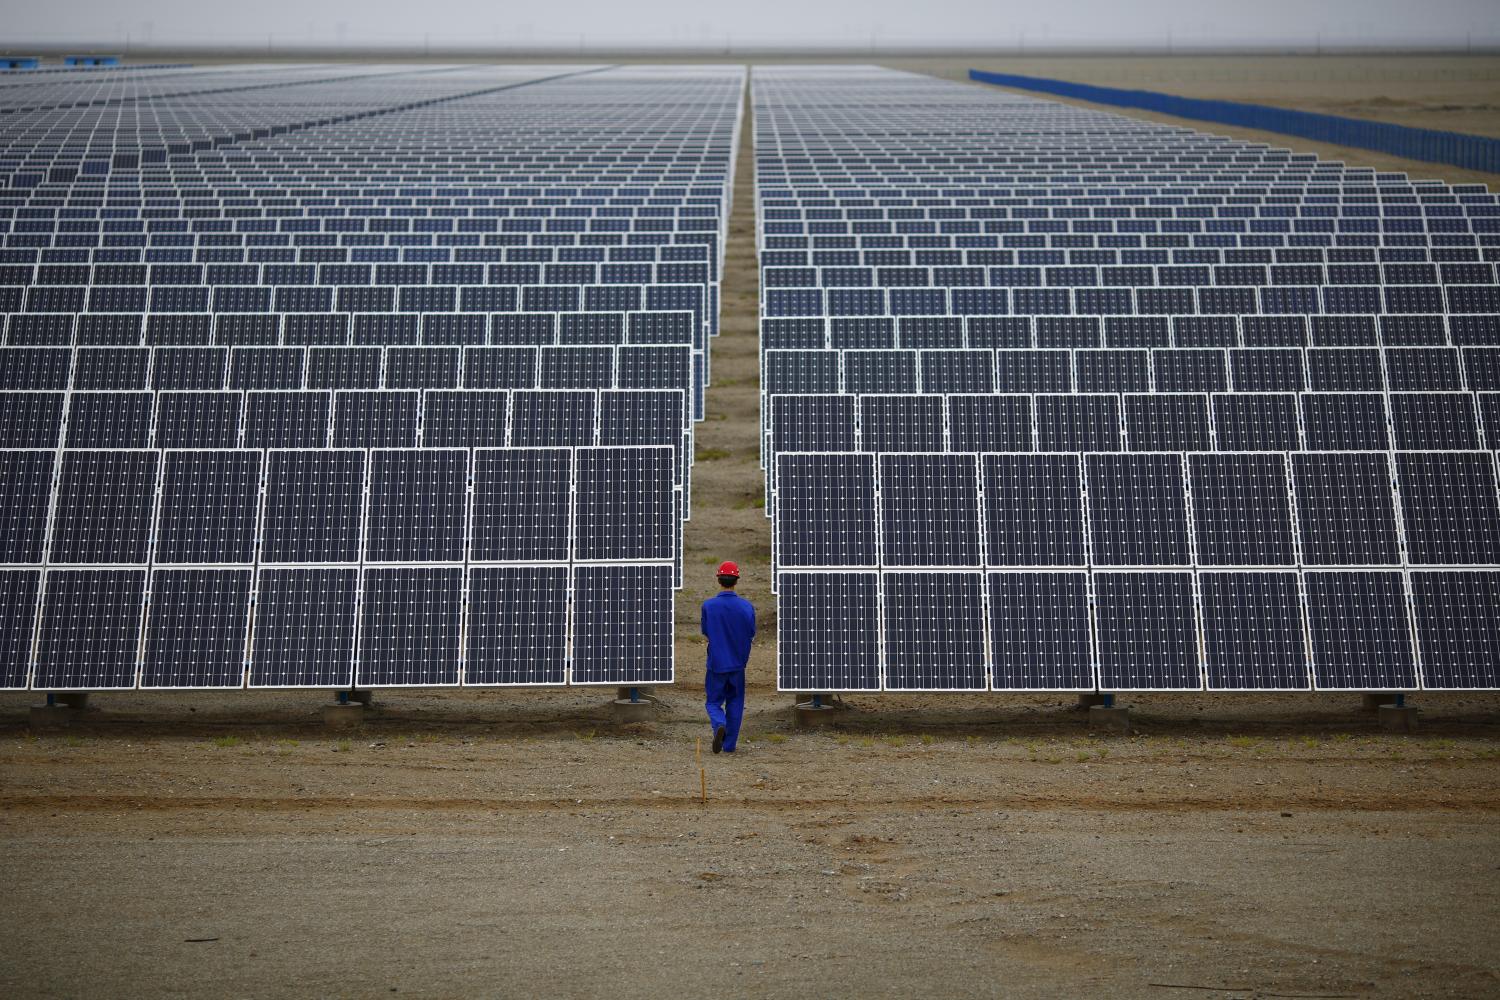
1054, 399
331, 376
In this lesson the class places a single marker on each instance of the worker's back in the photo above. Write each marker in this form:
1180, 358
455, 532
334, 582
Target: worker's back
729, 622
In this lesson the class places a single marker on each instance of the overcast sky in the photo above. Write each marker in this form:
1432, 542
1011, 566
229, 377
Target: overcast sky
858, 24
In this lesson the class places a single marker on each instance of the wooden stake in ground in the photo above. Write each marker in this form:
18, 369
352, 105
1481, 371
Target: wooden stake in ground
702, 772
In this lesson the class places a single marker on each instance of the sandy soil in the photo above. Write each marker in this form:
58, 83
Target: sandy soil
516, 843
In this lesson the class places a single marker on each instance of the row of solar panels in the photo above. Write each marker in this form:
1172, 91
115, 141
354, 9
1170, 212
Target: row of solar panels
1107, 257
1084, 370
251, 506
1146, 422
336, 627
859, 630
1097, 301
1009, 510
324, 329
1042, 332
1233, 447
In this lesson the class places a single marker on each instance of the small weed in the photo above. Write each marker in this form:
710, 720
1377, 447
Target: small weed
973, 739
1343, 737
1443, 744
1083, 755
286, 743
1103, 752
895, 741
1053, 760
775, 738
73, 740
342, 746
1311, 742
928, 739
867, 742
225, 742
586, 737
1243, 742
711, 454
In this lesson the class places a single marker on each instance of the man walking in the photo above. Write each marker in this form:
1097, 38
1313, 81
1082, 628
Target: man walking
729, 622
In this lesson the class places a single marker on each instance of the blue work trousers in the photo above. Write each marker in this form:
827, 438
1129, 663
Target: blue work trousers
726, 702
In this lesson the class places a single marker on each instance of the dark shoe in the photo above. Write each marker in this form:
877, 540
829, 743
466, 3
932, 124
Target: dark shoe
719, 735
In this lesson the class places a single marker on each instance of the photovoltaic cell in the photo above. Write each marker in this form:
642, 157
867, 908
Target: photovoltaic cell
929, 510
1345, 511
417, 503
1450, 507
209, 501
18, 595
1241, 510
1033, 510
1137, 510
314, 506
825, 510
625, 507
104, 507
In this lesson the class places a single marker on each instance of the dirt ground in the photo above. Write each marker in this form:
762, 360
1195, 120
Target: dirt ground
502, 843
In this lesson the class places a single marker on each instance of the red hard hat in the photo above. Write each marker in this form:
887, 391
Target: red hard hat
728, 569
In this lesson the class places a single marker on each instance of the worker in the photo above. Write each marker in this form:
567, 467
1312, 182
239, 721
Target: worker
729, 623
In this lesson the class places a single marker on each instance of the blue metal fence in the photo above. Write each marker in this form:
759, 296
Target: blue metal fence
1471, 152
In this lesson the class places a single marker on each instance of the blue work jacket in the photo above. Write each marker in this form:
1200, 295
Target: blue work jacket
729, 622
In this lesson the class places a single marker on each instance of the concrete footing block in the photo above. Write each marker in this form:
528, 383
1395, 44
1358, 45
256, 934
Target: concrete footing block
807, 715
1089, 699
49, 717
365, 698
1398, 719
641, 694
344, 715
627, 711
1371, 701
78, 701
1112, 718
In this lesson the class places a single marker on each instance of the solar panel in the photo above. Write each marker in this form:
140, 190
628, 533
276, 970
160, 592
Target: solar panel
622, 624
517, 625
1253, 632
828, 631
304, 627
1345, 510
417, 505
1039, 632
196, 627
409, 626
1361, 632
209, 503
104, 507
1241, 510
625, 505
934, 630
1458, 634
929, 510
314, 506
18, 599
1137, 510
522, 506
825, 510
1033, 510
25, 496
90, 629
1147, 631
